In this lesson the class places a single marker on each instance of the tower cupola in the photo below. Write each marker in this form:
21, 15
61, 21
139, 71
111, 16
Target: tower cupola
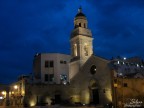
80, 19
80, 14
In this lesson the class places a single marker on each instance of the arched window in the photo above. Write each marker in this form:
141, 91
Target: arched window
79, 24
75, 50
86, 50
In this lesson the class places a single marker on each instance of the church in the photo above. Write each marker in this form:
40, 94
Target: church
81, 78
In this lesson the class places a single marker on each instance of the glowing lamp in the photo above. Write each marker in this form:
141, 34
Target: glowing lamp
15, 87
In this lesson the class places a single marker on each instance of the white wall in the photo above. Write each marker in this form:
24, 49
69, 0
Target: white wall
58, 69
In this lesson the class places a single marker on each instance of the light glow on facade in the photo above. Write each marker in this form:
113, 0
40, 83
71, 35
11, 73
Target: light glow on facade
32, 103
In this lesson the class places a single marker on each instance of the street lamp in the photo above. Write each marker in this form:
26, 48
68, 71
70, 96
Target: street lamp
4, 93
15, 87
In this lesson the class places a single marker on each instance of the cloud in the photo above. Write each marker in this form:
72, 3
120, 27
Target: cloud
119, 27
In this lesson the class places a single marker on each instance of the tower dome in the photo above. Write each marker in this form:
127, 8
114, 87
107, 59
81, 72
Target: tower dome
80, 19
80, 14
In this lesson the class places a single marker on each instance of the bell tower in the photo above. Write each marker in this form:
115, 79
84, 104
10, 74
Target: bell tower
81, 43
81, 39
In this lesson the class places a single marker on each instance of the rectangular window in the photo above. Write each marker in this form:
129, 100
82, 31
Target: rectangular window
65, 62
61, 62
46, 77
125, 85
51, 64
51, 77
115, 80
46, 64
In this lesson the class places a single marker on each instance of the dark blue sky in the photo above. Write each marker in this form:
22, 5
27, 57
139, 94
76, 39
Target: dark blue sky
31, 26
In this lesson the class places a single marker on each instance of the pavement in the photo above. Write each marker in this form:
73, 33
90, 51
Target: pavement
54, 106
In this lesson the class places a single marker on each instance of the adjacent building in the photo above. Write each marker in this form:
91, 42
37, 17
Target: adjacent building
128, 82
3, 94
51, 68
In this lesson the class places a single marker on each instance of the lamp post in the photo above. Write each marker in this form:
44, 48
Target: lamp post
15, 87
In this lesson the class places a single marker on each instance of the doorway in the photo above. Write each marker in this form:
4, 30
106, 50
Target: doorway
95, 96
57, 99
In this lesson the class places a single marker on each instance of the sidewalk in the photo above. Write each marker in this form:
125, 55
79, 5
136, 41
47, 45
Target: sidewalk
54, 106
51, 107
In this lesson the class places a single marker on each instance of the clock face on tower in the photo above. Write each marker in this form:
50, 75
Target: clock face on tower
93, 69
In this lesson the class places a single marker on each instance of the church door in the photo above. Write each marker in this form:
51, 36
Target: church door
95, 96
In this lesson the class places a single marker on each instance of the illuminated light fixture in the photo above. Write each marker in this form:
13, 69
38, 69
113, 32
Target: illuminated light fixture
1, 97
118, 62
124, 58
23, 92
64, 82
93, 69
115, 84
83, 104
15, 87
32, 103
63, 78
3, 92
120, 74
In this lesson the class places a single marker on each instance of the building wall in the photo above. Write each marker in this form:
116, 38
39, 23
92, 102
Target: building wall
60, 66
37, 66
129, 88
4, 91
74, 68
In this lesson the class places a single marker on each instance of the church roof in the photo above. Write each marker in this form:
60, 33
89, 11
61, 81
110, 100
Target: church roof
80, 14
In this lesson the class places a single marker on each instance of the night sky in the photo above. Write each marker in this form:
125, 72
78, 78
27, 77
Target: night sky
28, 27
